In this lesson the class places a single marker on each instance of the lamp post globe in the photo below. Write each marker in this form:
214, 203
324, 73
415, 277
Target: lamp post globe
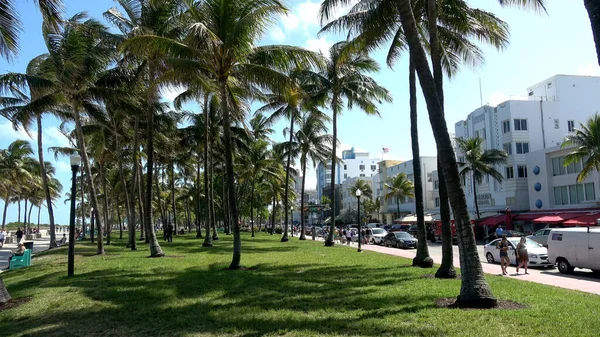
358, 194
75, 163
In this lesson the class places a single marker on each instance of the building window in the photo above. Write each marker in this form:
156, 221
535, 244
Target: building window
590, 194
345, 167
520, 125
362, 175
549, 85
510, 172
571, 126
522, 148
505, 126
373, 167
511, 201
437, 202
561, 195
521, 171
345, 175
507, 148
483, 133
436, 184
556, 124
361, 167
530, 93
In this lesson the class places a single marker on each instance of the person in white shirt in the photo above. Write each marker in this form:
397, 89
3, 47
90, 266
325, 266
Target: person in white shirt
2, 237
348, 236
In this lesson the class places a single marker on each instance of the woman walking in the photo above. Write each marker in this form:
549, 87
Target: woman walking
522, 256
504, 260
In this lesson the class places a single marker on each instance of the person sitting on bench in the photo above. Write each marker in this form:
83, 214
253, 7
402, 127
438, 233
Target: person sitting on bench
62, 241
19, 252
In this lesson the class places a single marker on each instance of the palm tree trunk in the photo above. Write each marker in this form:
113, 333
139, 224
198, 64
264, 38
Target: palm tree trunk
446, 269
105, 210
129, 209
207, 174
155, 250
45, 183
90, 180
334, 103
6, 202
475, 291
29, 215
286, 201
25, 215
19, 212
302, 234
422, 258
475, 196
92, 228
211, 195
272, 229
397, 206
82, 189
198, 199
173, 196
38, 218
119, 220
140, 203
593, 9
225, 202
252, 209
237, 240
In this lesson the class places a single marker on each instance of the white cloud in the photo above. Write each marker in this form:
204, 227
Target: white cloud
318, 45
53, 137
590, 69
170, 93
277, 34
500, 97
61, 166
8, 132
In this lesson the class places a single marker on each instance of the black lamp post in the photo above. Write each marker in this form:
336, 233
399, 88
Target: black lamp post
358, 194
75, 162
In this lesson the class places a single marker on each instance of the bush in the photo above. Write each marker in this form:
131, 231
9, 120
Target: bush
278, 231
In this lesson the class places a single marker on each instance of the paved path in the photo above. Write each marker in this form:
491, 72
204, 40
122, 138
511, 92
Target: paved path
580, 280
39, 245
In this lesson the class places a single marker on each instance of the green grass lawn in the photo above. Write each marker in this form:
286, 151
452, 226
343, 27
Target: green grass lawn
292, 289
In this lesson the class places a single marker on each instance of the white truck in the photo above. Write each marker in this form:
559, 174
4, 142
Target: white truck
572, 248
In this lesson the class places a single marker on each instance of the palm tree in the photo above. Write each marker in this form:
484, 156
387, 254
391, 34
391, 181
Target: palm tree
344, 78
14, 169
223, 48
22, 109
479, 163
314, 144
10, 24
363, 186
399, 187
586, 140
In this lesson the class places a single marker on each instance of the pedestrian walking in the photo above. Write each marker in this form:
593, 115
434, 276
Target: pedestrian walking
19, 234
170, 230
2, 237
348, 236
522, 256
504, 260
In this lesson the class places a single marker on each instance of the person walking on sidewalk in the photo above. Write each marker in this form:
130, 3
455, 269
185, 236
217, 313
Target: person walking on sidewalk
522, 256
504, 260
2, 237
19, 234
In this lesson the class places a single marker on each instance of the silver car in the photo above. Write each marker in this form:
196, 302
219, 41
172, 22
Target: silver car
541, 236
538, 254
377, 235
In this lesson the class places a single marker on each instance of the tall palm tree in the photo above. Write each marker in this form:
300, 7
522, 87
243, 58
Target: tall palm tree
586, 140
32, 96
345, 79
479, 163
11, 26
314, 144
224, 50
399, 187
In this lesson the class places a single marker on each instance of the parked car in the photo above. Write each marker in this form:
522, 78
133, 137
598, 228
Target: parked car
538, 254
509, 234
399, 227
400, 240
574, 248
412, 230
377, 235
541, 236
374, 225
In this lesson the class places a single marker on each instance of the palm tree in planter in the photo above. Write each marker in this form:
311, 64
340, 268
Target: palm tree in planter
399, 187
586, 140
479, 163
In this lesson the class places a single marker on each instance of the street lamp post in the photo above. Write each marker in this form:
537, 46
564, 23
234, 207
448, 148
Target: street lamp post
75, 162
358, 194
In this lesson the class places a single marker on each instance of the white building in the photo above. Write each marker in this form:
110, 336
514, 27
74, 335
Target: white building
551, 185
354, 164
554, 107
389, 206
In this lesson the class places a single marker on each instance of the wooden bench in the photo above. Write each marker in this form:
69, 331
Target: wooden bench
19, 261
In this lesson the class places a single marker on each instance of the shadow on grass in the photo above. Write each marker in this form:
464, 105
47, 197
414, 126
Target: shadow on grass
271, 299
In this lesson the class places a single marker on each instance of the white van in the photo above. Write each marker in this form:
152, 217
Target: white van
574, 248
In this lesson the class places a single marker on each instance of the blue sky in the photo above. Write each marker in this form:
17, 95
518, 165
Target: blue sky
540, 46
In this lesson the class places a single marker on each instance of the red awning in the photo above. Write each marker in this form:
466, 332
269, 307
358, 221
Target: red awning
556, 218
590, 219
528, 216
493, 220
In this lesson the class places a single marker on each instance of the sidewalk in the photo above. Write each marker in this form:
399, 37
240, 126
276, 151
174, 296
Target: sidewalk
39, 245
578, 281
537, 275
